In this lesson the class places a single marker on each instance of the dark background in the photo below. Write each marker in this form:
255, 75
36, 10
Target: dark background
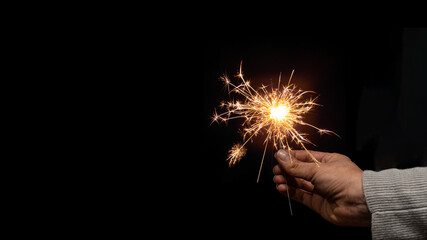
371, 83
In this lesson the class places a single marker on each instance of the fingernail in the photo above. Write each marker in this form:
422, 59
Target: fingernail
282, 155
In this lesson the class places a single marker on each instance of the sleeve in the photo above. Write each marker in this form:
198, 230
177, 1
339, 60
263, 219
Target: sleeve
397, 200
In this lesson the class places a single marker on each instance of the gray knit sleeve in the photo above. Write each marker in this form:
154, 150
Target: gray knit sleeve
397, 200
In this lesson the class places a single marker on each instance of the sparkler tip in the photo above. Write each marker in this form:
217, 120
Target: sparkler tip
275, 113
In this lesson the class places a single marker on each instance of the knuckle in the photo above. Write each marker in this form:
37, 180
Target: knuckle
294, 164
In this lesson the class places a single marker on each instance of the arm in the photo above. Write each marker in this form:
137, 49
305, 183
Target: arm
397, 200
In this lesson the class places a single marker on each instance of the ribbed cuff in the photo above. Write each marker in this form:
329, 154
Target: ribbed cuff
397, 200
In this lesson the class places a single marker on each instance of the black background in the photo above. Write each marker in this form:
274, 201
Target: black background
371, 83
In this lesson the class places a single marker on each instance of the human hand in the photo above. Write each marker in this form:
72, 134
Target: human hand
333, 189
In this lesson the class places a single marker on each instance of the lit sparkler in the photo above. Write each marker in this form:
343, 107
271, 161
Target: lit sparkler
276, 112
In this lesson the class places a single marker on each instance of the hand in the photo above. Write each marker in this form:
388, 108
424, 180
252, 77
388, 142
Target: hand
333, 189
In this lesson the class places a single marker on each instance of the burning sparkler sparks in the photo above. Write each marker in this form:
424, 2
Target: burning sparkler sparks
276, 113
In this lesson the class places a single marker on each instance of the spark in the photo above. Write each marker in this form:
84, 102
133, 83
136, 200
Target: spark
236, 153
276, 114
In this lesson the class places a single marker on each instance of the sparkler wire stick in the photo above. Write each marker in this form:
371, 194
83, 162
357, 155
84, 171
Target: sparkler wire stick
286, 181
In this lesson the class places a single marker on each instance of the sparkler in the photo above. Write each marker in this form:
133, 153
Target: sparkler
277, 113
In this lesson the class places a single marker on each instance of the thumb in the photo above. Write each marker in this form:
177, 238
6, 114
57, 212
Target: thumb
295, 167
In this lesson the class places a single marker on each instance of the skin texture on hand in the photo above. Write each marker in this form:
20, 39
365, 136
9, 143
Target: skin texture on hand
333, 189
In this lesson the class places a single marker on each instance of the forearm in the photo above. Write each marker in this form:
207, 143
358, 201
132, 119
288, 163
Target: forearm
397, 200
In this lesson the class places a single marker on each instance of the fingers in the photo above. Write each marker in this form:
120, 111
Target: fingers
277, 170
297, 194
299, 166
294, 182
